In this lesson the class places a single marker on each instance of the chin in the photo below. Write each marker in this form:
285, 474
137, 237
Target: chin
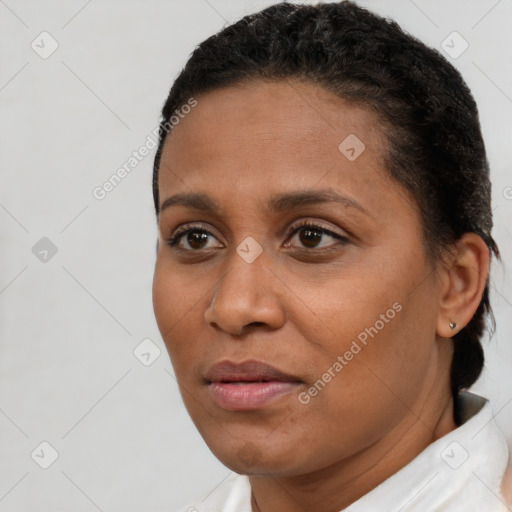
257, 458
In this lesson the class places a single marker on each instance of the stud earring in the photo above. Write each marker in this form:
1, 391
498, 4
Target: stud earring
453, 325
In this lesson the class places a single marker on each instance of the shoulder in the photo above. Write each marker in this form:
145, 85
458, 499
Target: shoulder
507, 484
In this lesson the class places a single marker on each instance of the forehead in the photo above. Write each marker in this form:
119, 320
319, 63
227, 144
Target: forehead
266, 136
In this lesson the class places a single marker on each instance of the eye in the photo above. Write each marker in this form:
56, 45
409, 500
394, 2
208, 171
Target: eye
196, 237
310, 235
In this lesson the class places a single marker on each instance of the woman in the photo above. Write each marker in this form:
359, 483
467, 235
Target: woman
321, 283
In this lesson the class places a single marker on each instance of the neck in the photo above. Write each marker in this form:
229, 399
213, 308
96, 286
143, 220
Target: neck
334, 488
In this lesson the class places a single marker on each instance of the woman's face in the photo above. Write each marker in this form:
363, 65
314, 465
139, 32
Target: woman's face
294, 347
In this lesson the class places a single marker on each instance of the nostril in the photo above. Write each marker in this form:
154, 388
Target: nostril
247, 327
256, 324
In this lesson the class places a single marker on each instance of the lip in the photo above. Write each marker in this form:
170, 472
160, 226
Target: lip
248, 385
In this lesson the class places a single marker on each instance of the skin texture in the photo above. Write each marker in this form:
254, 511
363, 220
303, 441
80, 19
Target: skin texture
299, 305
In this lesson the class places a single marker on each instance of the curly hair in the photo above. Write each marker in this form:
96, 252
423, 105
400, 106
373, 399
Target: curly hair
435, 148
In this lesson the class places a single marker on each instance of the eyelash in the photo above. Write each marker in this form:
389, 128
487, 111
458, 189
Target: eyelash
175, 238
173, 241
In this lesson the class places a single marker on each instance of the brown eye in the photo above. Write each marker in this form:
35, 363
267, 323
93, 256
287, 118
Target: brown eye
310, 238
191, 238
197, 239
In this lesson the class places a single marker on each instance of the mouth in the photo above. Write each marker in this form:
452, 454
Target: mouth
248, 385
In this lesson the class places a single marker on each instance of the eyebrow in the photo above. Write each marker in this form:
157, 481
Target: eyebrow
276, 203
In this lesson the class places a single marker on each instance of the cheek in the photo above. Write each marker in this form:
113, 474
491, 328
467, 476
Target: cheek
373, 336
360, 391
175, 304
164, 301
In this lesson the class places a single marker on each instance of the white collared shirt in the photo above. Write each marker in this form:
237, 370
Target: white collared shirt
460, 472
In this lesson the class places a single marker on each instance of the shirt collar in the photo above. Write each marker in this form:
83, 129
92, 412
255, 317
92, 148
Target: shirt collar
462, 470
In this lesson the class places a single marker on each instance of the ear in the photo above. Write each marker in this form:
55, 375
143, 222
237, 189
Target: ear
463, 283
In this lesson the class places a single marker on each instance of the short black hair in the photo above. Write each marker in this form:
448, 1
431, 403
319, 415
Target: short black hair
435, 148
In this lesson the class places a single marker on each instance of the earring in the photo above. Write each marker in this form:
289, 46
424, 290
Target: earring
453, 325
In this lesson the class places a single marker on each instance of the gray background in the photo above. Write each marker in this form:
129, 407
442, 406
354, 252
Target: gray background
69, 324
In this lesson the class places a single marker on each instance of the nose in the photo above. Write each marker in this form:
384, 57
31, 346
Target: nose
246, 296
